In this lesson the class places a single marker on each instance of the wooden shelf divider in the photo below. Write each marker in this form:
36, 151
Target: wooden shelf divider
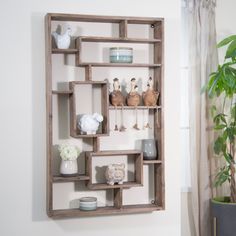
133, 108
63, 179
104, 64
64, 51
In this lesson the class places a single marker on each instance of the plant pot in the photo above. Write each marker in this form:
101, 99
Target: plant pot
224, 217
69, 167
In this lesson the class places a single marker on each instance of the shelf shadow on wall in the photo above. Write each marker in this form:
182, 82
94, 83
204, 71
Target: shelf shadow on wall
38, 118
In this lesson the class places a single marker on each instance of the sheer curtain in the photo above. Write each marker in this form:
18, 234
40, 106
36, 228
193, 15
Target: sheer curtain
203, 60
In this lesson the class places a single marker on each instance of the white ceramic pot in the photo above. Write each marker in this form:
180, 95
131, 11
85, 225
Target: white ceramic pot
69, 167
88, 203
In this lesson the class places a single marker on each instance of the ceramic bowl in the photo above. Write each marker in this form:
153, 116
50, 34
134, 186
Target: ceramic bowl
121, 55
88, 203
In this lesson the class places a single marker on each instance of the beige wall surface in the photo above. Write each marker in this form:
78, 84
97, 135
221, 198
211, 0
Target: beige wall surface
22, 126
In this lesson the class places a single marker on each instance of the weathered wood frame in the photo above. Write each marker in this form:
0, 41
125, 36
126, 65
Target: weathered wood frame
157, 66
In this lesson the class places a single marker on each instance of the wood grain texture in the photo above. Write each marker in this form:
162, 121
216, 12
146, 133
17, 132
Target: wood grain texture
79, 51
133, 108
96, 144
88, 73
103, 186
123, 29
104, 19
48, 61
130, 209
118, 198
118, 40
60, 92
147, 162
64, 51
139, 168
72, 100
158, 68
105, 108
103, 64
159, 174
63, 179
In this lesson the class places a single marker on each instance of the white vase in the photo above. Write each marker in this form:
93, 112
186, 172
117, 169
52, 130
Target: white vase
69, 167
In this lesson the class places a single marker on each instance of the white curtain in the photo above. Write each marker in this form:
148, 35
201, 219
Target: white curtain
203, 60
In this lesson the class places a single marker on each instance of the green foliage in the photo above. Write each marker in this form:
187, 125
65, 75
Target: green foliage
222, 83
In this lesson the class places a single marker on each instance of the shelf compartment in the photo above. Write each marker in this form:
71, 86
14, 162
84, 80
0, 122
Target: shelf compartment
64, 51
101, 64
109, 210
133, 108
138, 168
63, 179
99, 94
117, 40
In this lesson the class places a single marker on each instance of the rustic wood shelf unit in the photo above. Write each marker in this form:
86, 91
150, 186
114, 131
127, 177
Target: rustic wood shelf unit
156, 40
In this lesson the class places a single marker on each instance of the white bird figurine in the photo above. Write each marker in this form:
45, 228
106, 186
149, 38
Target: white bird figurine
62, 40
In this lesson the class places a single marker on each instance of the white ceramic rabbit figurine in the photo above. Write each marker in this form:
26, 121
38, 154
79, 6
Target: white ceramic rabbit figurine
62, 41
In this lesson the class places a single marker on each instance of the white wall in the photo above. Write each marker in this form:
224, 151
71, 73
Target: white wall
22, 103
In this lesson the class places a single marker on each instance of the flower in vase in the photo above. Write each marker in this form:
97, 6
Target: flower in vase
68, 152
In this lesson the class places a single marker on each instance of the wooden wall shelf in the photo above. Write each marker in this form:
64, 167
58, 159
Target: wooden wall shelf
117, 40
64, 51
157, 67
64, 179
133, 108
101, 64
101, 211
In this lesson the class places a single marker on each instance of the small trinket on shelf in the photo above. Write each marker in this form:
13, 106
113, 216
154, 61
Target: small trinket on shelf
115, 173
89, 123
133, 97
69, 154
62, 40
117, 99
150, 96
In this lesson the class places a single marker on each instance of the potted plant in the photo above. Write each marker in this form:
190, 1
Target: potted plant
222, 87
69, 154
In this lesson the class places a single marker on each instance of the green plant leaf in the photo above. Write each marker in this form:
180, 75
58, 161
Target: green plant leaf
222, 176
226, 41
231, 51
219, 127
219, 145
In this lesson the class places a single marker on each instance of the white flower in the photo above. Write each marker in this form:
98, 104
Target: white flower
68, 152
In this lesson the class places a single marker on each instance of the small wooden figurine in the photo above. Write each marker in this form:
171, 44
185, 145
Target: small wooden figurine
133, 97
117, 99
150, 96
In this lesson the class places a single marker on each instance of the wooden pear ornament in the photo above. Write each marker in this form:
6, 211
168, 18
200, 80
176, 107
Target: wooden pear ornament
133, 97
150, 96
117, 99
